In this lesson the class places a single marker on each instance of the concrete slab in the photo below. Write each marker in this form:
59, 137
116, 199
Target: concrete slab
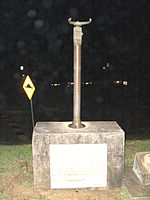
95, 132
134, 187
141, 167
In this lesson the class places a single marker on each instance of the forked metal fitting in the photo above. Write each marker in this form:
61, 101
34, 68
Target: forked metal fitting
77, 23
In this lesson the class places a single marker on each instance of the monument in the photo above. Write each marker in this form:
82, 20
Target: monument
78, 155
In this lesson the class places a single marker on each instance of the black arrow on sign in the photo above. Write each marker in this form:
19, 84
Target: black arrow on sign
29, 86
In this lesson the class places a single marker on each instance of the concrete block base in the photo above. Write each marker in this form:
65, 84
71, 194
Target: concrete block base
141, 167
95, 132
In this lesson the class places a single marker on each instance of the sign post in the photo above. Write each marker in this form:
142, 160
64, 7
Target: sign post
29, 88
32, 113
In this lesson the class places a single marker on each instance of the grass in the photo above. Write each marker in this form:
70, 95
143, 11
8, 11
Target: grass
13, 158
16, 173
133, 146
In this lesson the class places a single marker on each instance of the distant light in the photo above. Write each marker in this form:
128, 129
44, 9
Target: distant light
125, 83
91, 83
117, 82
23, 75
108, 64
87, 83
71, 83
67, 84
55, 84
22, 68
104, 67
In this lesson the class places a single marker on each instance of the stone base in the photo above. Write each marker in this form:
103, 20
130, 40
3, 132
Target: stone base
100, 132
141, 167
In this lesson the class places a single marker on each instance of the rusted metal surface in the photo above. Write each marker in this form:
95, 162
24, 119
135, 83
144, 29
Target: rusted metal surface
77, 39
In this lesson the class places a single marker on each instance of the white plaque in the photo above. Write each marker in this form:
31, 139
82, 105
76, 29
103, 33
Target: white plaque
78, 165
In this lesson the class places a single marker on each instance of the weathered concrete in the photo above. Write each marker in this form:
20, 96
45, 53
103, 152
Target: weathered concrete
141, 167
46, 133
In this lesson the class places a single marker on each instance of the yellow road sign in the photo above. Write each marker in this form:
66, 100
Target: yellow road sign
28, 87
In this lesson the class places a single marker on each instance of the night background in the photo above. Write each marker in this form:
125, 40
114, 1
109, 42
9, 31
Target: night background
115, 63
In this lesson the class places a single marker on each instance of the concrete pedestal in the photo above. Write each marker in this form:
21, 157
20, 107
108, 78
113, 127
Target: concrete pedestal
46, 134
141, 167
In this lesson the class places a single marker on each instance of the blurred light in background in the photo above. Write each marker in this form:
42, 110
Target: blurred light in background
21, 67
125, 83
120, 82
55, 84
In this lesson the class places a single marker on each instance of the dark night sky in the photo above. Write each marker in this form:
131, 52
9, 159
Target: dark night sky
36, 34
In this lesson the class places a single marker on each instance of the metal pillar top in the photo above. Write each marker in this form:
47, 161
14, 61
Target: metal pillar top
77, 23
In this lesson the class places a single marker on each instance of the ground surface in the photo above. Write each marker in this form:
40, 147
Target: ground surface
16, 173
134, 187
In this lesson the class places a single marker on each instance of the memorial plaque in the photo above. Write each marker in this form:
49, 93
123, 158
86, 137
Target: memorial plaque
78, 165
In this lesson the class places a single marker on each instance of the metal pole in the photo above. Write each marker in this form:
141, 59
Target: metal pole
77, 80
32, 115
77, 38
